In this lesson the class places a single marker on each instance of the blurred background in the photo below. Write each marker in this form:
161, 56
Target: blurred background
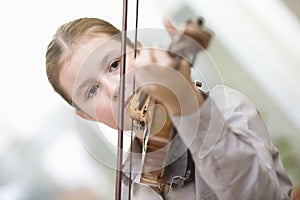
255, 49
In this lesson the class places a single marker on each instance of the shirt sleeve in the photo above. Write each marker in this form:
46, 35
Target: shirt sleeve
232, 149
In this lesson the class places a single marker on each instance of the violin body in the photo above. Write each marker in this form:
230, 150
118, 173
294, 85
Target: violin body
152, 118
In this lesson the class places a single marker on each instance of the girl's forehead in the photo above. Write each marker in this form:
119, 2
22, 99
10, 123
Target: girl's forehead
87, 50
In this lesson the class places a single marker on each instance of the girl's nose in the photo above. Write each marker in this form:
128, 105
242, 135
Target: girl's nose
116, 91
110, 86
128, 86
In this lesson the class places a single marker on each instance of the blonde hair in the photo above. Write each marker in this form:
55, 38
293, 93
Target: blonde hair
64, 42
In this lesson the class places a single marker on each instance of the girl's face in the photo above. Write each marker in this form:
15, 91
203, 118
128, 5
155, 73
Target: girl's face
91, 77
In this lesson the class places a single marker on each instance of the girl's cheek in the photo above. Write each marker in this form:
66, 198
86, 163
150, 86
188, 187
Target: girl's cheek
101, 114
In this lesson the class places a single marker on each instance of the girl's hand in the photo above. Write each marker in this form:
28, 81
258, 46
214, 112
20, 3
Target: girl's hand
155, 74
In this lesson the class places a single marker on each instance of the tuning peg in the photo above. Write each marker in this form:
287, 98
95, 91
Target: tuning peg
188, 21
200, 21
198, 83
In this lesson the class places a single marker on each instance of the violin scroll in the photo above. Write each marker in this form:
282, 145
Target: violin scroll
193, 37
196, 30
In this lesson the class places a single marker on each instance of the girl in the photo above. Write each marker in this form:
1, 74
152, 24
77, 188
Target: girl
225, 149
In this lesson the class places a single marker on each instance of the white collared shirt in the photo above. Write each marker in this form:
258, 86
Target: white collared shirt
233, 154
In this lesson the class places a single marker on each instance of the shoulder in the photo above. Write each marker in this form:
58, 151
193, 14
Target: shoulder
226, 97
237, 109
223, 92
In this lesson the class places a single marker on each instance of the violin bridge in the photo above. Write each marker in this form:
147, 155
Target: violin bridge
138, 110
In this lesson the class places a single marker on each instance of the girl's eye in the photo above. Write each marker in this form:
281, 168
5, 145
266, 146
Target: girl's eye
92, 91
114, 66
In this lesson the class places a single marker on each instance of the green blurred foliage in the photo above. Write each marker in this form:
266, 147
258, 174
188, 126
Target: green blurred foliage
290, 156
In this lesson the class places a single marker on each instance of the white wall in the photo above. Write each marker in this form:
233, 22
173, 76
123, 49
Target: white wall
260, 36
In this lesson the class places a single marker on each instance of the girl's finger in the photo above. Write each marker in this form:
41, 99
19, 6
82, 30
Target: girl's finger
170, 27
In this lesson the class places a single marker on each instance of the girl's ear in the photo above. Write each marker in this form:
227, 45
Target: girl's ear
83, 115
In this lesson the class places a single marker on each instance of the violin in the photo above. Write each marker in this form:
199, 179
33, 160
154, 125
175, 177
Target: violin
150, 116
156, 134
